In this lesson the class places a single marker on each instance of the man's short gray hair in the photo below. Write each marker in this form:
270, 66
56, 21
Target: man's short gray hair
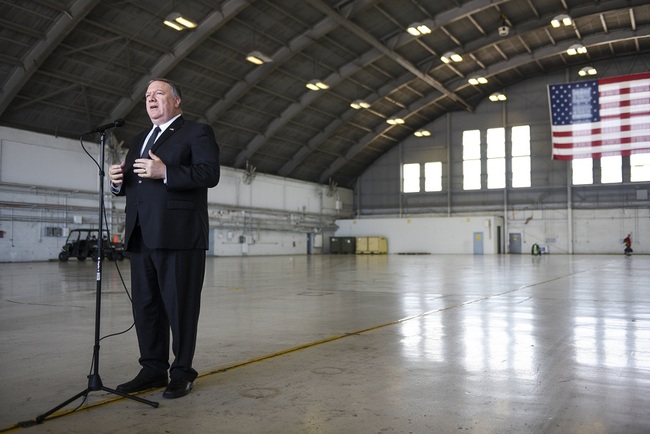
176, 91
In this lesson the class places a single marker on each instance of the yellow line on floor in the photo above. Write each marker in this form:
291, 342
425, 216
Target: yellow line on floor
113, 399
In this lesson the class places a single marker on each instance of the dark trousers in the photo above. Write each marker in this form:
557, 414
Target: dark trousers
166, 290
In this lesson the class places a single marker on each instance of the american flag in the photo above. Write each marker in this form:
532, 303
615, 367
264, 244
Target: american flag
596, 118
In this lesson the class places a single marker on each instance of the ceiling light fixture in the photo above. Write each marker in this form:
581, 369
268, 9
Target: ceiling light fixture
451, 56
173, 25
258, 58
177, 22
316, 85
576, 49
422, 133
561, 20
395, 121
587, 70
185, 22
498, 97
418, 29
359, 104
477, 79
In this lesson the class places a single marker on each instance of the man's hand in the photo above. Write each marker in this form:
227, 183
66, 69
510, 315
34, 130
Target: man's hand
116, 174
153, 168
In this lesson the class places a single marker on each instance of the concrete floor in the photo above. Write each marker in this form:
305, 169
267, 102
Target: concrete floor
347, 344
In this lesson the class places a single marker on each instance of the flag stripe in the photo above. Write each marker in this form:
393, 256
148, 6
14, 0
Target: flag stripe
610, 142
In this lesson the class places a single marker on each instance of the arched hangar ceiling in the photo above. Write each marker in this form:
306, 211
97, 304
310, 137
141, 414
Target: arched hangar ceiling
69, 65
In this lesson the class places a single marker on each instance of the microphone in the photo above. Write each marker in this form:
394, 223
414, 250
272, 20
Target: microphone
100, 129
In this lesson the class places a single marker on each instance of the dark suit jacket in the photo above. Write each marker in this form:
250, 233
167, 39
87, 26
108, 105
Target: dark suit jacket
173, 215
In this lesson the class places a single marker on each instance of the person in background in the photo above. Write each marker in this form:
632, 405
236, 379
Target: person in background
165, 177
628, 245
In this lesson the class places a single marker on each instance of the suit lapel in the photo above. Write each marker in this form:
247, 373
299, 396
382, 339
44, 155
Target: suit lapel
175, 126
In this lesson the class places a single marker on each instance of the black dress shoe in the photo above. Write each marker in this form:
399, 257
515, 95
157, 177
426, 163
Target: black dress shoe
177, 388
142, 382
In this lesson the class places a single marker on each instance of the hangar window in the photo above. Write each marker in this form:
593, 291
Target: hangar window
639, 167
582, 172
520, 139
433, 176
472, 160
411, 178
496, 158
611, 169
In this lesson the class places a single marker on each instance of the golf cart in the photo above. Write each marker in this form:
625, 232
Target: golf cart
82, 244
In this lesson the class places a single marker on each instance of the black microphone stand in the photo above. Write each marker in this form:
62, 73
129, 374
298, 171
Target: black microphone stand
94, 380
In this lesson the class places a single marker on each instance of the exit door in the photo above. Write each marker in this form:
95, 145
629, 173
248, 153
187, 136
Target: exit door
478, 243
514, 243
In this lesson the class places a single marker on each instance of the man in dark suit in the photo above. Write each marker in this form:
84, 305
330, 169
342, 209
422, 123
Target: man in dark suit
165, 177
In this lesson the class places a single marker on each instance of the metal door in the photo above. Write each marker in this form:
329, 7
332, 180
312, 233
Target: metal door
514, 243
478, 243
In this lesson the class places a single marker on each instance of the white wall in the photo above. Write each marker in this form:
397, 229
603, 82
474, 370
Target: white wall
47, 181
582, 231
579, 232
428, 235
267, 192
227, 243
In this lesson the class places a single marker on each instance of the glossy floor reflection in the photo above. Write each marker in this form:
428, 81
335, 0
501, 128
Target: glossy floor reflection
348, 344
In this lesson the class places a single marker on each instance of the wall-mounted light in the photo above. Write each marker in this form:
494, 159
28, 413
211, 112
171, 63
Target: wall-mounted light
422, 133
477, 79
258, 58
587, 70
451, 56
576, 49
395, 121
359, 104
561, 20
418, 29
177, 22
498, 97
316, 85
